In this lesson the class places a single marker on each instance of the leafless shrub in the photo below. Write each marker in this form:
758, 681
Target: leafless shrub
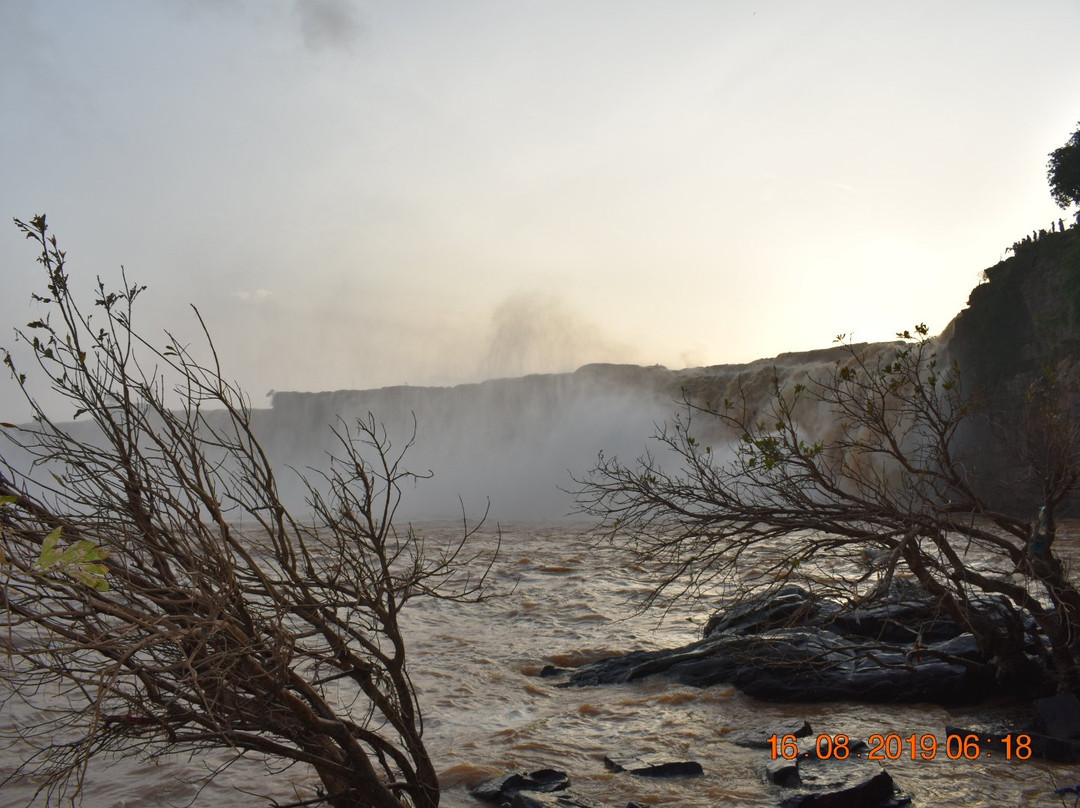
878, 475
150, 623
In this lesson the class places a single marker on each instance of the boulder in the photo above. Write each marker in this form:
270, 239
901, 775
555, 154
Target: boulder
503, 789
791, 646
532, 799
1058, 716
1053, 731
813, 782
759, 738
791, 605
833, 784
806, 665
783, 772
651, 765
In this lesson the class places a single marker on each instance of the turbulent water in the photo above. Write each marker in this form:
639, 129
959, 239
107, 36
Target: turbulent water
557, 602
513, 442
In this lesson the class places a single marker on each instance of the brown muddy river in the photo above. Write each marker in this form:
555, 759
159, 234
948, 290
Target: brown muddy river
487, 710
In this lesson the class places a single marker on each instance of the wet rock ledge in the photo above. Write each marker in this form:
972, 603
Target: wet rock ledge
791, 646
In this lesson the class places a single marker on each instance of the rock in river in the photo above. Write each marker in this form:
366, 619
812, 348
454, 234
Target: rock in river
810, 781
791, 646
648, 765
503, 789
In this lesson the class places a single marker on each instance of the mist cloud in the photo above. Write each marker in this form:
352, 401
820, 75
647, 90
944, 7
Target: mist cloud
535, 332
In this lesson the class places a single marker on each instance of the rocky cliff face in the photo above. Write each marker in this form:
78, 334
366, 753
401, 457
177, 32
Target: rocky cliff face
1020, 333
1025, 316
516, 442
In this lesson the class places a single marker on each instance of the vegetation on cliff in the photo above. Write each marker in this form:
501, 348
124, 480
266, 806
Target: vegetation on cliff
862, 463
1025, 315
888, 456
1063, 172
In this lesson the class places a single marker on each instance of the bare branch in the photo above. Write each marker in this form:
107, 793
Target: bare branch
858, 462
158, 624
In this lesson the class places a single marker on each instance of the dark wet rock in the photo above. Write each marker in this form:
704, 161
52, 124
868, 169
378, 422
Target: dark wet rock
1056, 750
1041, 746
963, 646
503, 789
834, 654
900, 622
545, 788
783, 772
834, 785
813, 782
649, 765
792, 605
805, 664
1053, 733
637, 664
549, 671
904, 613
1058, 716
533, 799
990, 740
759, 738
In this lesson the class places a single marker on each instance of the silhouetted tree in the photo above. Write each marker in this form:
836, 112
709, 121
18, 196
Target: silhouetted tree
150, 622
859, 462
1063, 172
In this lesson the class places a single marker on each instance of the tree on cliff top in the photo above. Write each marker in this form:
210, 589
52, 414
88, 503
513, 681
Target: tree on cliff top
147, 622
1063, 172
859, 463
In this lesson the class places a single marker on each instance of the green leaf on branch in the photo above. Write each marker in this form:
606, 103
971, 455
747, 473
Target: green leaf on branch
80, 561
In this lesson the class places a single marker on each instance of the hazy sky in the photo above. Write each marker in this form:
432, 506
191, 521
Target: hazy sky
358, 194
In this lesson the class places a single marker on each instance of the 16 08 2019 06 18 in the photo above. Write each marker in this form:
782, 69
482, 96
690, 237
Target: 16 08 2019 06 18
893, 746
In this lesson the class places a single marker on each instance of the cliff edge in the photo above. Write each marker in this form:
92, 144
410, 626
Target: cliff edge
1019, 334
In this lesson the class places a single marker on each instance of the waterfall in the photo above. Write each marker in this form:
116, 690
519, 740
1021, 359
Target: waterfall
517, 441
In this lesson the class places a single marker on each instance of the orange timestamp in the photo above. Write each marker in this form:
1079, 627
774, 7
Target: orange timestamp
894, 747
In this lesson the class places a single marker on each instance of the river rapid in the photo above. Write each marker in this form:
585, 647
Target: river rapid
557, 601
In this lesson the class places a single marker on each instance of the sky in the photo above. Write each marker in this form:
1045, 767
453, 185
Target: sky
361, 193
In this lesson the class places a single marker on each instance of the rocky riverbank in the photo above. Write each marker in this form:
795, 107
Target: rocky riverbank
792, 646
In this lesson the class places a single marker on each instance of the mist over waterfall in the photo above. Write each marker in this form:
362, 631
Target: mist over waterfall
510, 441
516, 441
